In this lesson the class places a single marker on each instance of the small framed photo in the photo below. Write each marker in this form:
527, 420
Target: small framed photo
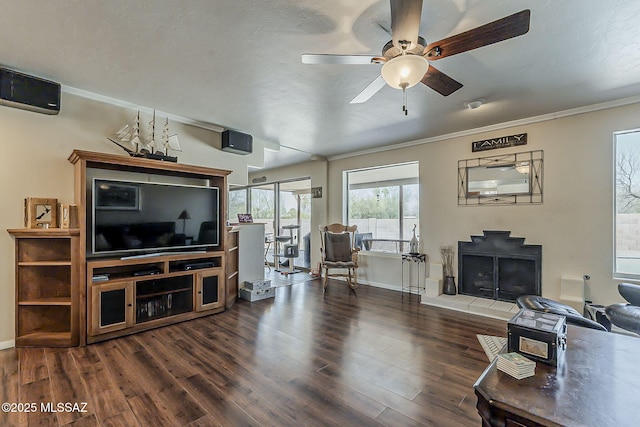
316, 192
534, 347
40, 213
245, 218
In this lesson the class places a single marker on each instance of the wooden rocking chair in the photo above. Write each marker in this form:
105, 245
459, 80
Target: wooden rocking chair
338, 252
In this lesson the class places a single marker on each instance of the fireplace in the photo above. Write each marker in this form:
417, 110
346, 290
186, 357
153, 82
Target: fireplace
499, 266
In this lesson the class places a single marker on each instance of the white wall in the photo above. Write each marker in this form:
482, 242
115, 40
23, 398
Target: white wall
574, 225
35, 148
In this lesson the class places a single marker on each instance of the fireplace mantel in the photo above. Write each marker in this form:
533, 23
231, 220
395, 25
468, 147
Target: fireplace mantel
499, 266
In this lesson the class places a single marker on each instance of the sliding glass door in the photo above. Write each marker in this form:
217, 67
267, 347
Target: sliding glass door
295, 217
285, 210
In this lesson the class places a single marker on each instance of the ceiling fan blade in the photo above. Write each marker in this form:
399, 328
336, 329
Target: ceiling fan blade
313, 58
369, 91
493, 32
440, 82
405, 21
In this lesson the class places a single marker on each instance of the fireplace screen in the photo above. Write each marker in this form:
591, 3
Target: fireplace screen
516, 277
477, 276
499, 267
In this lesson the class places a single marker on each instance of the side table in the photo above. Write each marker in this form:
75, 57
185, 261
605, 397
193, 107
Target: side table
410, 259
596, 312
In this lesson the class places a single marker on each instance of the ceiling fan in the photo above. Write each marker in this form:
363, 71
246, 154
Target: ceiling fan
406, 58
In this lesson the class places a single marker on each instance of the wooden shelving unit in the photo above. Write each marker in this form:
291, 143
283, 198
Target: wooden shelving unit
58, 302
232, 266
114, 307
47, 297
130, 300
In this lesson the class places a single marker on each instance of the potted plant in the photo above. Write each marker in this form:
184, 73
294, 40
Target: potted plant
446, 254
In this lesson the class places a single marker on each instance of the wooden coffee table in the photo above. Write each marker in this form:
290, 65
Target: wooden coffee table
598, 385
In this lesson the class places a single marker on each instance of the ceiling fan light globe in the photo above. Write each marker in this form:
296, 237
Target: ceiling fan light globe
404, 70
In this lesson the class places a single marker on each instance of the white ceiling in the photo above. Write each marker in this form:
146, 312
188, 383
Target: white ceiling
236, 63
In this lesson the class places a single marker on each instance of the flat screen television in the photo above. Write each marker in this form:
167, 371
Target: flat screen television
131, 218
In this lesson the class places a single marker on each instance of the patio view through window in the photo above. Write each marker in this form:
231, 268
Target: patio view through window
284, 208
384, 203
627, 204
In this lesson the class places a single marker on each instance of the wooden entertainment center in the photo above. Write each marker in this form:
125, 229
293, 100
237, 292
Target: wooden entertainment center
64, 299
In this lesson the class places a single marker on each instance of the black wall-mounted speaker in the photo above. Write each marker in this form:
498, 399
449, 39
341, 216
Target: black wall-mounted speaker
237, 142
29, 93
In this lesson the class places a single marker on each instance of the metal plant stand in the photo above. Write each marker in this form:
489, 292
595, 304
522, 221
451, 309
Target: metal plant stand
408, 284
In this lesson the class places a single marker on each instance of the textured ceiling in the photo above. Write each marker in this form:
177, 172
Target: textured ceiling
236, 63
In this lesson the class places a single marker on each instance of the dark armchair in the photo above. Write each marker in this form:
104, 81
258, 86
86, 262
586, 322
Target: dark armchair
537, 303
626, 316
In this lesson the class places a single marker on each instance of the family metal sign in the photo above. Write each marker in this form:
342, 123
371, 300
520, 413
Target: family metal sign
502, 142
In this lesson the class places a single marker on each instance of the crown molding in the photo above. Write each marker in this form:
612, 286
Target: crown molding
124, 104
514, 123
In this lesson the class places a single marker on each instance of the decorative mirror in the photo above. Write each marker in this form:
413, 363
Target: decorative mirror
501, 180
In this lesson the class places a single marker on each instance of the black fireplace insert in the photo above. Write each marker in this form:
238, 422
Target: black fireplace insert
499, 266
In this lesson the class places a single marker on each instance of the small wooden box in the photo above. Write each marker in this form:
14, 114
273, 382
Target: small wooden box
539, 336
67, 215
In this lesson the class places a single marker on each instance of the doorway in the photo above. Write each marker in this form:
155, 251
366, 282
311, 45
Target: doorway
285, 209
295, 218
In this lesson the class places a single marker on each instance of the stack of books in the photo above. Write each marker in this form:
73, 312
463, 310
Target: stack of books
516, 365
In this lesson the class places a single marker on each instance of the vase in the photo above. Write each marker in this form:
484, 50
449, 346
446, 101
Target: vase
449, 285
414, 244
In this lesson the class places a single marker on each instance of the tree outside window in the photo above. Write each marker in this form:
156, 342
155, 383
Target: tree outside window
627, 201
237, 203
384, 203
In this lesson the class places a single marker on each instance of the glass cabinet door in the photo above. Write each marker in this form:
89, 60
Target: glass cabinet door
111, 307
209, 290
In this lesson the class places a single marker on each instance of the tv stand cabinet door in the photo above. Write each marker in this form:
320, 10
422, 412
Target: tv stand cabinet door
210, 290
111, 307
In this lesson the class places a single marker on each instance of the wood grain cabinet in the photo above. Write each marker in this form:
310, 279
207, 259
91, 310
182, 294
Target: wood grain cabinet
66, 296
132, 295
47, 275
112, 307
210, 287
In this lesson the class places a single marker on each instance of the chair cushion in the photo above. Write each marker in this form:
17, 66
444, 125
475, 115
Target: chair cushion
339, 264
630, 292
337, 247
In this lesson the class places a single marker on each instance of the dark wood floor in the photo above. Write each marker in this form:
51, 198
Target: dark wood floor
301, 359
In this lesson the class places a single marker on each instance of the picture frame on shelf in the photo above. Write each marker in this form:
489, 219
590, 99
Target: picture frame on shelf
40, 212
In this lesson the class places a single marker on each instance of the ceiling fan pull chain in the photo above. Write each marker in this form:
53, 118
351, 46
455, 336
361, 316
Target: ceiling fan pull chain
404, 100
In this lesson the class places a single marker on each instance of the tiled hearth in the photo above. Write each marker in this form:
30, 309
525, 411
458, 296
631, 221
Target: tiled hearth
474, 305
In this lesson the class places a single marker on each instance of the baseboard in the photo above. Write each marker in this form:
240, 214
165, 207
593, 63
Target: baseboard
369, 283
379, 285
7, 344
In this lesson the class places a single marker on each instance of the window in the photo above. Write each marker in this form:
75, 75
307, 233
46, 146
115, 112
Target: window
237, 203
384, 203
627, 204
